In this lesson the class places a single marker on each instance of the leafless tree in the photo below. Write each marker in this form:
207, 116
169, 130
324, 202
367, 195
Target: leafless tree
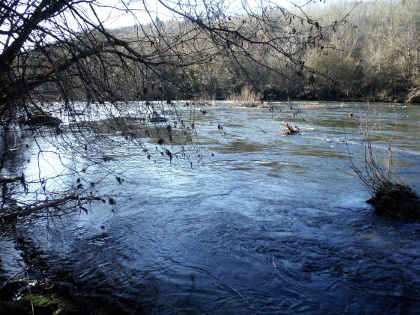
61, 66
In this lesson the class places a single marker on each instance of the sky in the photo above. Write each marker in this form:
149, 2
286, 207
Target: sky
120, 18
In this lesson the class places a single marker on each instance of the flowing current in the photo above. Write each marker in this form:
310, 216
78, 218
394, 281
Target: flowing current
259, 223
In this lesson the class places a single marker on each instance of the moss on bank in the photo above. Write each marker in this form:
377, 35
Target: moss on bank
48, 299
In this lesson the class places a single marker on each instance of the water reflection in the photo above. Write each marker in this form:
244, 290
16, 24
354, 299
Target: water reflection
14, 146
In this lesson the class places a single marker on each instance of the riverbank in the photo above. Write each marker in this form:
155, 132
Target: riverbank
410, 97
40, 287
24, 296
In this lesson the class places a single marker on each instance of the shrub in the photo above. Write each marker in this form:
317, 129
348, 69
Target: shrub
246, 97
390, 196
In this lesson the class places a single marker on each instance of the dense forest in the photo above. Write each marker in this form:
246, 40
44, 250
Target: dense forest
371, 53
341, 50
375, 54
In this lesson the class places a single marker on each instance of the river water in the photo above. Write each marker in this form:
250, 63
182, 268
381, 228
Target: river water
259, 223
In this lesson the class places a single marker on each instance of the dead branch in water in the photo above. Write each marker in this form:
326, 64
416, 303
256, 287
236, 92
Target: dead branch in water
10, 215
291, 130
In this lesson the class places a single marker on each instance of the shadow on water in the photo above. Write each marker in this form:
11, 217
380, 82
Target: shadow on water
268, 225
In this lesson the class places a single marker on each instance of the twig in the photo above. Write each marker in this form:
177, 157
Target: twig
47, 204
11, 278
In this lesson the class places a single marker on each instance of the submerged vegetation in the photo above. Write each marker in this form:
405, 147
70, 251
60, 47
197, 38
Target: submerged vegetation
141, 128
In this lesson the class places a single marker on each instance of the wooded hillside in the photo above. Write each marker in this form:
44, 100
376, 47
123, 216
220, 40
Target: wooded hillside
372, 53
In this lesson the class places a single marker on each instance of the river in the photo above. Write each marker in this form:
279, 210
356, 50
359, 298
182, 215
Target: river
259, 223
